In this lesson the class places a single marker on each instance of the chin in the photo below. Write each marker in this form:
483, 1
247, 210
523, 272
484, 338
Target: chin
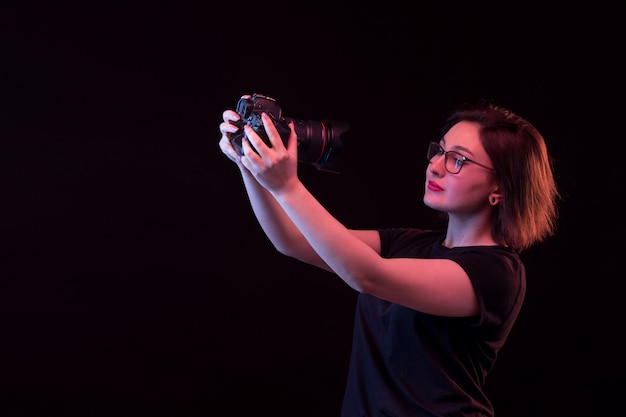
429, 203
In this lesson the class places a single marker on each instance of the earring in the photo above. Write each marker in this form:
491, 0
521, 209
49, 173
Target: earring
493, 200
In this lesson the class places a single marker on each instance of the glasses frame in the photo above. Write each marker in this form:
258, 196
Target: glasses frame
462, 158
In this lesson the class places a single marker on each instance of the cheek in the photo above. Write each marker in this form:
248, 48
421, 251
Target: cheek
478, 193
468, 194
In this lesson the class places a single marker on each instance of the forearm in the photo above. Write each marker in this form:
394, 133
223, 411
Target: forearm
277, 225
348, 256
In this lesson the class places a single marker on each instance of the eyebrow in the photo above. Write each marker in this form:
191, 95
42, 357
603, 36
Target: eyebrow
463, 150
459, 149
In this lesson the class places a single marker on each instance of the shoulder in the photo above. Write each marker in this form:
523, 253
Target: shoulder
408, 242
497, 260
497, 275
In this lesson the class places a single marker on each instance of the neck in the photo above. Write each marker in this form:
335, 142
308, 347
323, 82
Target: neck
468, 232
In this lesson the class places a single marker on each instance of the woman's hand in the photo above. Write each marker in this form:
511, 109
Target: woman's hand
227, 128
275, 167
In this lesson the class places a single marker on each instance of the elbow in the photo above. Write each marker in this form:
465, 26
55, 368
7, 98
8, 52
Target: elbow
360, 282
363, 286
287, 250
302, 254
367, 279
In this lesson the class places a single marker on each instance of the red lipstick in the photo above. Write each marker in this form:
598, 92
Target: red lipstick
433, 186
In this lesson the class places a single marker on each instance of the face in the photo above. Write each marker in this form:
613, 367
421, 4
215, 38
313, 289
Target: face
467, 192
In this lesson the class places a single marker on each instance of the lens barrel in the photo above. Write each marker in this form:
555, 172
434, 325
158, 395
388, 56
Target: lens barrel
319, 143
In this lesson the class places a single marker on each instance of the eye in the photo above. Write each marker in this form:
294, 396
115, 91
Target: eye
457, 158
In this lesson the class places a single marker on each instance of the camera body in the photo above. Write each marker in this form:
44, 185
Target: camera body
319, 143
250, 110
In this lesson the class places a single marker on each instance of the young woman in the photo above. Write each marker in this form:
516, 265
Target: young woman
434, 306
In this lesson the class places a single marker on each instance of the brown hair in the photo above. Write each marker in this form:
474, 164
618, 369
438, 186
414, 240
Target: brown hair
528, 211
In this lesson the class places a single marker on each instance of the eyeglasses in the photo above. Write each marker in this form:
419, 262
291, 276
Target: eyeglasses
453, 161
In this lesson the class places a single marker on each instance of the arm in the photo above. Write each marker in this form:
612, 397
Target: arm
435, 286
278, 227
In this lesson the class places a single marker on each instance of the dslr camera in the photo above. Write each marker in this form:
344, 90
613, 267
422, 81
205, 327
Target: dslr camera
319, 143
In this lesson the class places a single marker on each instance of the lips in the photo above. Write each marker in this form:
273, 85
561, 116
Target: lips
433, 186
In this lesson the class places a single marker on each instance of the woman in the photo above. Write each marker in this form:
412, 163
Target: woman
434, 306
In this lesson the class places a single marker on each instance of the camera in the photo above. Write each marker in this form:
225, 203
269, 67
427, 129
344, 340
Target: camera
319, 142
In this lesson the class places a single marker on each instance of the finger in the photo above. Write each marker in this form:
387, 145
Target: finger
272, 132
230, 115
292, 142
227, 128
247, 163
255, 140
227, 149
249, 144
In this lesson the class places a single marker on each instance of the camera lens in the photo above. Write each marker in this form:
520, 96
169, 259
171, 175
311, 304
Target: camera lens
319, 143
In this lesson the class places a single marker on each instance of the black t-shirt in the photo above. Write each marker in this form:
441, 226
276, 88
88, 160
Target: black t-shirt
407, 363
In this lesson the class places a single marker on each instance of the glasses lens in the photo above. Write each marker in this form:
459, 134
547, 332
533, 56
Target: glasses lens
454, 162
433, 150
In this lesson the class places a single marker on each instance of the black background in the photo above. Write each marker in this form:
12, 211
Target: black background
135, 280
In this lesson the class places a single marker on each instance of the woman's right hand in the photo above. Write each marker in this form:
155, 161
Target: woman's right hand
227, 127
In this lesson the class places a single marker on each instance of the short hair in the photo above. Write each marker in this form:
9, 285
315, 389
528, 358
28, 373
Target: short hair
528, 210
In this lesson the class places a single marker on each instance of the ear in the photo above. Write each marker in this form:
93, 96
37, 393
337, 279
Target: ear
495, 197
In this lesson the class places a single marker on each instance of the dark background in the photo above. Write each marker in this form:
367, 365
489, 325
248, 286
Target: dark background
135, 280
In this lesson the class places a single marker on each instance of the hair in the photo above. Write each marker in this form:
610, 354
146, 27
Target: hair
528, 210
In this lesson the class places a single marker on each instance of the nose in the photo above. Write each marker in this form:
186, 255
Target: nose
437, 165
